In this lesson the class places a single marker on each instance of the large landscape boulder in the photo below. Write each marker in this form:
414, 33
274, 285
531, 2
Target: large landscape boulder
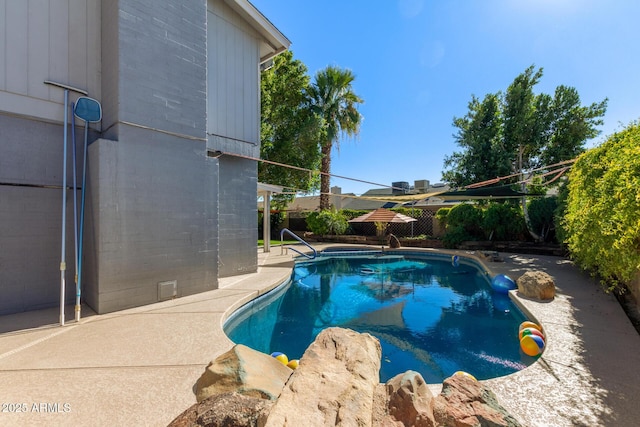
410, 401
537, 285
245, 371
394, 243
228, 409
465, 402
334, 384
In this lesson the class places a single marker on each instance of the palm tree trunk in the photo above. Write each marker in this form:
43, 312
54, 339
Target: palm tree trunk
325, 180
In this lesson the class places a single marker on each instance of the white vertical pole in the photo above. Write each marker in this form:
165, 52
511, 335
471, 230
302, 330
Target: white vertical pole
266, 222
63, 264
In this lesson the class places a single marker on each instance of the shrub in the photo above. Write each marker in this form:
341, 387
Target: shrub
315, 224
602, 221
442, 215
503, 221
418, 237
327, 222
353, 213
413, 213
462, 222
466, 216
542, 216
381, 227
561, 210
454, 236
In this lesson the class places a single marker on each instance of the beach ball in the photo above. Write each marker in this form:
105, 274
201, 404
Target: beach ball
281, 357
532, 345
528, 324
455, 261
530, 331
501, 302
465, 374
293, 364
502, 284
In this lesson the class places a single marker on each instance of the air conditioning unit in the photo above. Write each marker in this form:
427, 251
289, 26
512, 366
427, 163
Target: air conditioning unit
400, 187
422, 185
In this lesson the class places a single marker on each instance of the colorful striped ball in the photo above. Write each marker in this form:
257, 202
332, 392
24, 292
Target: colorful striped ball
529, 324
532, 345
530, 331
281, 357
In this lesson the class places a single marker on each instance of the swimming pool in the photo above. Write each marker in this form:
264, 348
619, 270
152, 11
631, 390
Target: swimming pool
430, 316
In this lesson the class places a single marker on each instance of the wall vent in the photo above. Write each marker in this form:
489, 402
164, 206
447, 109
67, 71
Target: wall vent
167, 290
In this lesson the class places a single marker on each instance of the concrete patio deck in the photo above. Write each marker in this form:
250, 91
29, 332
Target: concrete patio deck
139, 366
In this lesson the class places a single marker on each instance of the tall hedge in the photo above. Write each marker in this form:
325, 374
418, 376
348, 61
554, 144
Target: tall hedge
542, 216
602, 220
504, 221
462, 222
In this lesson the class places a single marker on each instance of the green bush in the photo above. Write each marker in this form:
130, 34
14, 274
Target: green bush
542, 216
353, 213
418, 237
602, 221
442, 215
503, 221
454, 236
327, 222
561, 210
315, 224
462, 222
469, 217
413, 213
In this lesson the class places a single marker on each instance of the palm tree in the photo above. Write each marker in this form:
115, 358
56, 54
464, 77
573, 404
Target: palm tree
333, 99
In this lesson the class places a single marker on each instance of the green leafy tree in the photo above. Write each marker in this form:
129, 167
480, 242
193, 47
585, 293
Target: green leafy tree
332, 98
290, 130
519, 129
602, 220
571, 125
526, 119
479, 135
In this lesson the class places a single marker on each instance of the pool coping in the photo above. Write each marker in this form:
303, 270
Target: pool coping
142, 363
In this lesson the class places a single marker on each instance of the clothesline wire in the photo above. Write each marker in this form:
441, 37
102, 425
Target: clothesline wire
496, 180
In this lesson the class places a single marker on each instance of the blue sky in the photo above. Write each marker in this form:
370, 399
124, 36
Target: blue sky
417, 63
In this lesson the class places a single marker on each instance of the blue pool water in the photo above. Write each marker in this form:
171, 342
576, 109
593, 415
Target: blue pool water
429, 315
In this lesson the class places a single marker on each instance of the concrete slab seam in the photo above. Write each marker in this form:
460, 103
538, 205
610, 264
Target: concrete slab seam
36, 342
